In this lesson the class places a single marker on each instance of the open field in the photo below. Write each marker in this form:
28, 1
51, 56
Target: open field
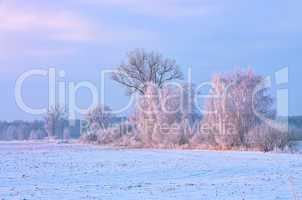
67, 171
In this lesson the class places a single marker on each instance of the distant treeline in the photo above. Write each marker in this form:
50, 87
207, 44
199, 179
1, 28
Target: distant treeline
295, 122
23, 130
40, 129
35, 130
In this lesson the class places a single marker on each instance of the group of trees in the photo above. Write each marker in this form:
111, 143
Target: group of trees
58, 126
163, 116
20, 130
166, 114
236, 118
54, 126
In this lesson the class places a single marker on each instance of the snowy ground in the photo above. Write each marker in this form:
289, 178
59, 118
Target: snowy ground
69, 172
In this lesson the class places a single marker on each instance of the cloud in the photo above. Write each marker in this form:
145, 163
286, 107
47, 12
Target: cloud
30, 29
55, 25
158, 8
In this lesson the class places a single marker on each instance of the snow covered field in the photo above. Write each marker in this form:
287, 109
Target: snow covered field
62, 171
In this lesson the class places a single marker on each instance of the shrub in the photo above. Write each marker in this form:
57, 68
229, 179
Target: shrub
266, 138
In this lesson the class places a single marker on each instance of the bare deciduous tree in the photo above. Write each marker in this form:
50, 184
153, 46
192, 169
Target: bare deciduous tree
144, 67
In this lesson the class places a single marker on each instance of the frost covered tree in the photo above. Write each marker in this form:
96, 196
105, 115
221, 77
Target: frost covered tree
11, 133
162, 115
230, 112
146, 114
143, 68
37, 134
54, 121
99, 118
